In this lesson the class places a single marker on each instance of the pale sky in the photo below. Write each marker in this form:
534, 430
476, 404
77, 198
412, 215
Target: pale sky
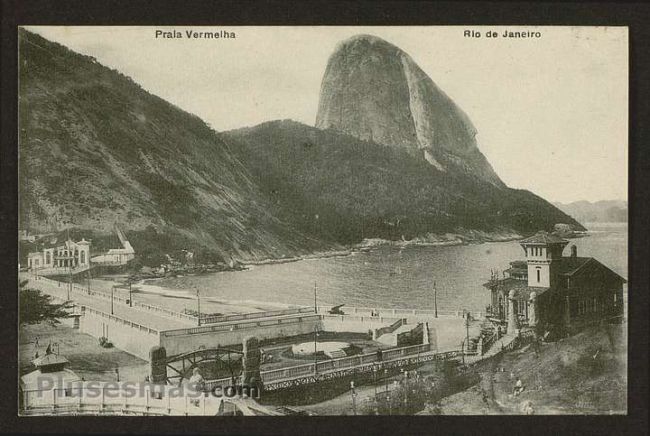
551, 113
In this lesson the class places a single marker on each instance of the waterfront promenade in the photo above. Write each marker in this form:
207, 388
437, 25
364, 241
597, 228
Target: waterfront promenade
156, 320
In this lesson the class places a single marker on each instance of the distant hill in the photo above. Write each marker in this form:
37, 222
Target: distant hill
96, 149
342, 189
613, 211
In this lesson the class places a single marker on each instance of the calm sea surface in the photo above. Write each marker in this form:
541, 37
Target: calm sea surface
393, 277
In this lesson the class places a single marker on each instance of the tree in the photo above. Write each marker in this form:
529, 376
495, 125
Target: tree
36, 307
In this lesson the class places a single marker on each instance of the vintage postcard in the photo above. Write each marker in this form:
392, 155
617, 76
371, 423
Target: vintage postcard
234, 220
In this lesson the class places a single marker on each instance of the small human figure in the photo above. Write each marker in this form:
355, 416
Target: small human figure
528, 408
519, 387
197, 379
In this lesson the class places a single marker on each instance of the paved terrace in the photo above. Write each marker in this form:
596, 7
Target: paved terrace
135, 314
152, 316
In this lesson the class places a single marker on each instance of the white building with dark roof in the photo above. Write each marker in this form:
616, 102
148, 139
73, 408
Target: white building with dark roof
54, 258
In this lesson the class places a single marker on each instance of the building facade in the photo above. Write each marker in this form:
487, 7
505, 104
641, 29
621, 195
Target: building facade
62, 257
550, 291
117, 256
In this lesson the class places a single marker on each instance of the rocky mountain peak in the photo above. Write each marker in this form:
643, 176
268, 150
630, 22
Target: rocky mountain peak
373, 90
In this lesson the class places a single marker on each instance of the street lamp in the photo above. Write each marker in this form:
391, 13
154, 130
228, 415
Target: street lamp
435, 299
198, 306
315, 349
130, 294
374, 379
354, 398
386, 377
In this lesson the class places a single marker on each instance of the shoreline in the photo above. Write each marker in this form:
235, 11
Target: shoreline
428, 240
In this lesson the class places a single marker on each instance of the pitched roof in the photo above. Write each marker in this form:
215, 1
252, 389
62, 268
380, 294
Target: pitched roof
570, 266
34, 380
49, 359
543, 237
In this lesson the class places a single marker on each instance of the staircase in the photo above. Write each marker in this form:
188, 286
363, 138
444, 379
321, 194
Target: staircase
391, 338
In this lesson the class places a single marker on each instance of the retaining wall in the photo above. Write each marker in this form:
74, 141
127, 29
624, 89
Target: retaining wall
355, 324
125, 335
191, 339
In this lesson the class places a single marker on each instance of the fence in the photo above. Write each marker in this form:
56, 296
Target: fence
237, 326
254, 315
488, 342
119, 320
352, 310
391, 328
107, 397
360, 318
176, 314
342, 363
118, 299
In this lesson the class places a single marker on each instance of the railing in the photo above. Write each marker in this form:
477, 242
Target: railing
120, 320
116, 298
488, 342
342, 363
360, 318
352, 310
105, 397
254, 315
176, 314
391, 328
237, 326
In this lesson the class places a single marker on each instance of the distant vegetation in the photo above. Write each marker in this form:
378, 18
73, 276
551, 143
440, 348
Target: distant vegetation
344, 189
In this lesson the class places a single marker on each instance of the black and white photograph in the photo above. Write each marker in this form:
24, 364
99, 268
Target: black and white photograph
322, 220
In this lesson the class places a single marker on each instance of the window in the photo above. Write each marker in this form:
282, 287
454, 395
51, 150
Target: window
47, 258
538, 276
83, 257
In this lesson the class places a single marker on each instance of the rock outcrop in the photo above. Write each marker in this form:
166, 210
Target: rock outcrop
375, 91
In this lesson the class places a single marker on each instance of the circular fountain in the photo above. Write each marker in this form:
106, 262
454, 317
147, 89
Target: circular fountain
330, 349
